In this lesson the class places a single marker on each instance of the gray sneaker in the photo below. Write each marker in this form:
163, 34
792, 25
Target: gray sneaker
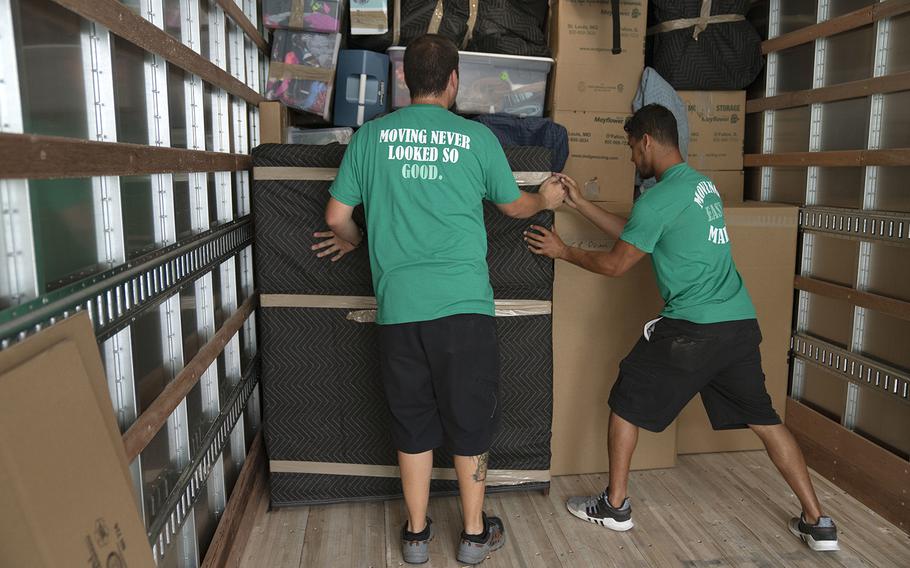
470, 552
415, 547
822, 536
597, 509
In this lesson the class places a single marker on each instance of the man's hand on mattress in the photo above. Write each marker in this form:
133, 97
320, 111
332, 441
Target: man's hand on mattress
332, 245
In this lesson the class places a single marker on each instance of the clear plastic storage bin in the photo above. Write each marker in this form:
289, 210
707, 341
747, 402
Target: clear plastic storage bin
323, 16
319, 136
488, 83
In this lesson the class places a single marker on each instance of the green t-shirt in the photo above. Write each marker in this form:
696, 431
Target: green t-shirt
680, 222
422, 174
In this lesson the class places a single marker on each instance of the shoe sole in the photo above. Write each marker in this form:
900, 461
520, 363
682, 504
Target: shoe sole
471, 562
613, 525
816, 545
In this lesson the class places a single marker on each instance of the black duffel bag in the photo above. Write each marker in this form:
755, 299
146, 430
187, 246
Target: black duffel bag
512, 27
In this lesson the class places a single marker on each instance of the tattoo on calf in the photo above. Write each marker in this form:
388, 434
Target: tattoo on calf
480, 474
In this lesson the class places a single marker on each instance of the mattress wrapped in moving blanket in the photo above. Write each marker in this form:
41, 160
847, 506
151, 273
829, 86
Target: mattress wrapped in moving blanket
693, 50
325, 418
327, 424
287, 213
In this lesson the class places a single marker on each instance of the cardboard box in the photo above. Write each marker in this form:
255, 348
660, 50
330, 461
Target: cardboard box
716, 129
763, 238
273, 122
729, 184
596, 322
588, 75
599, 155
65, 488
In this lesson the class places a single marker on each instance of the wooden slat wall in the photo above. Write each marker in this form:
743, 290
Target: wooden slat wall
847, 22
873, 474
24, 156
121, 21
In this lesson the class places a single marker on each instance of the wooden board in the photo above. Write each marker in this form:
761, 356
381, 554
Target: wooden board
850, 90
891, 306
233, 530
233, 11
834, 158
26, 156
875, 476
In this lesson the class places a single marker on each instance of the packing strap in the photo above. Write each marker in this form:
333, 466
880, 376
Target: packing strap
700, 23
439, 13
396, 22
280, 70
292, 173
494, 476
363, 308
436, 19
369, 19
297, 14
472, 21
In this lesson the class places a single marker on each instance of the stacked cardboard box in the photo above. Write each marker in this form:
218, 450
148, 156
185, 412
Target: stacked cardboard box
716, 127
597, 320
592, 90
594, 322
763, 239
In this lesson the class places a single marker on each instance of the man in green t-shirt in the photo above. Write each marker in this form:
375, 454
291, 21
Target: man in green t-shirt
706, 340
421, 174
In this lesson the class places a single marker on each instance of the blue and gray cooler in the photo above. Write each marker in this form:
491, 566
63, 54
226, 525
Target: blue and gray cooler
361, 86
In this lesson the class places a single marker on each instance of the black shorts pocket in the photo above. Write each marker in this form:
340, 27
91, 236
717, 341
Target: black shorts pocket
689, 353
683, 345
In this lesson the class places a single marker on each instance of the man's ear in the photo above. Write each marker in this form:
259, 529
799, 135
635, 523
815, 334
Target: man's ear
453, 78
646, 141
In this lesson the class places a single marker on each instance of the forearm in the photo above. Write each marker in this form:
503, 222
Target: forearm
609, 223
592, 261
347, 230
529, 205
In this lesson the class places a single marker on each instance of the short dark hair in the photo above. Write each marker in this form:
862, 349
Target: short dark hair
656, 121
428, 62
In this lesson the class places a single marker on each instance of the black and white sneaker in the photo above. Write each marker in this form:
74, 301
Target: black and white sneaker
597, 509
822, 536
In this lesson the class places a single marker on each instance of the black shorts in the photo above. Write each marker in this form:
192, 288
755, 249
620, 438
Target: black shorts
441, 380
719, 360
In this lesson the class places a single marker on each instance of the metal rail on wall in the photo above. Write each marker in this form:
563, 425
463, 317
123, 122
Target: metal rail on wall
116, 297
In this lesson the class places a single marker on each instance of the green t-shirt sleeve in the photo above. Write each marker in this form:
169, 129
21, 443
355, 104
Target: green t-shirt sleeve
644, 228
347, 187
499, 183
